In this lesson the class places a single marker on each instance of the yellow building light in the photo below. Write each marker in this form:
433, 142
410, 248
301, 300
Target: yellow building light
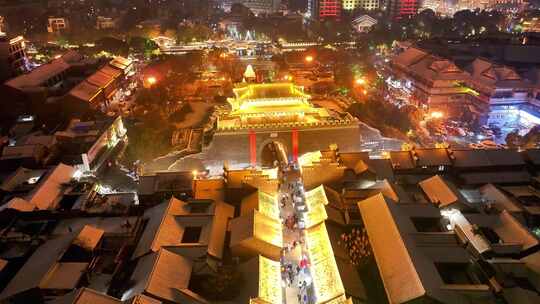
360, 81
436, 115
150, 81
268, 205
270, 289
326, 279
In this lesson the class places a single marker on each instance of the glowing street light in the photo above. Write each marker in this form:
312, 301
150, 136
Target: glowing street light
436, 115
151, 80
360, 81
442, 145
309, 58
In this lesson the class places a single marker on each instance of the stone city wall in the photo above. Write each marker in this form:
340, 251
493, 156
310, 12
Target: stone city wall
234, 146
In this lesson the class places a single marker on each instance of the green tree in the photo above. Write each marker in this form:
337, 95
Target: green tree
142, 45
190, 33
225, 284
148, 140
112, 45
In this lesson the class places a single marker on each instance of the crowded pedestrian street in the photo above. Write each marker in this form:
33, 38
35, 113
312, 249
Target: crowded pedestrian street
297, 282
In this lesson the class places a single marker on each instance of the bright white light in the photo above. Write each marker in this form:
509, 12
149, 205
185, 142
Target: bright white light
33, 180
436, 114
151, 80
77, 174
449, 213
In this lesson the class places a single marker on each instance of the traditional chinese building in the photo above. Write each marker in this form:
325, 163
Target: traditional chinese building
261, 116
274, 103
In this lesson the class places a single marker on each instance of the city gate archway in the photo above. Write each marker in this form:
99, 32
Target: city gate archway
272, 151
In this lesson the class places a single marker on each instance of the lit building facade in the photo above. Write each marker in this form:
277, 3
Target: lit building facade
325, 9
105, 23
89, 148
363, 4
403, 8
433, 81
270, 103
13, 60
509, 6
498, 85
508, 95
2, 24
256, 6
56, 25
261, 116
364, 23
530, 25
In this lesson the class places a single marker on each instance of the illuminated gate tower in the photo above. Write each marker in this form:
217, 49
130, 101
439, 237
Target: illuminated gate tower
259, 105
275, 113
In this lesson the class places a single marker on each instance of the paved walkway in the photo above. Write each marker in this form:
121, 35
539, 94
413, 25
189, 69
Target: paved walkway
294, 262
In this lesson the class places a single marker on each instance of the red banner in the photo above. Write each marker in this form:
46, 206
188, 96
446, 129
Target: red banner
253, 148
295, 145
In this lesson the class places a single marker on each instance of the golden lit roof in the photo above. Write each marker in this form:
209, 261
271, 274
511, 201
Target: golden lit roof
326, 279
438, 191
270, 281
267, 229
309, 158
316, 196
398, 273
268, 205
316, 200
270, 97
270, 91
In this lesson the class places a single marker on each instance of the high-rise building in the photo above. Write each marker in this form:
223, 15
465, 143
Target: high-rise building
402, 8
324, 9
363, 4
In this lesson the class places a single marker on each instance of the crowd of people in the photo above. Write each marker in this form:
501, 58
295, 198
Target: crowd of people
294, 260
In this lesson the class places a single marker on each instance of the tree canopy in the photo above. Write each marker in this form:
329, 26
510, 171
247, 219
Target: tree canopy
112, 45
